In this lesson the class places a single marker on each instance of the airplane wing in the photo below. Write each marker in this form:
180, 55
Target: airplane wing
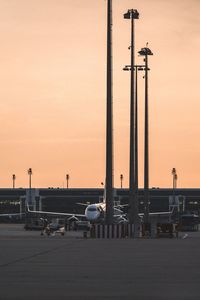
55, 213
11, 215
158, 213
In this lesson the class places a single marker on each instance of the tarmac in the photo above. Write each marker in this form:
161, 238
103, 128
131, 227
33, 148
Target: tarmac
72, 267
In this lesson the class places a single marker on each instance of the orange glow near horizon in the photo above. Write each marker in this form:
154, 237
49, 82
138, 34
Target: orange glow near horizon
53, 91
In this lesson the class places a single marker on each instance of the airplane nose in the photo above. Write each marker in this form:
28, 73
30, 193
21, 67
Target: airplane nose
92, 216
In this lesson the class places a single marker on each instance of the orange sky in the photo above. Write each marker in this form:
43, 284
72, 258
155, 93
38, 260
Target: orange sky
53, 91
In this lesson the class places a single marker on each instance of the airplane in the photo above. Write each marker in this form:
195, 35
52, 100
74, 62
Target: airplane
94, 213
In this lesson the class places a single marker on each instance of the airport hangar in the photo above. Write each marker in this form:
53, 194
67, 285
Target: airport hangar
66, 200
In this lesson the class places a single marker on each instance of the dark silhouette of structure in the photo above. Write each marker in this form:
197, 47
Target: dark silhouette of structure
121, 180
13, 180
175, 178
30, 172
67, 179
136, 206
132, 14
109, 121
146, 52
65, 200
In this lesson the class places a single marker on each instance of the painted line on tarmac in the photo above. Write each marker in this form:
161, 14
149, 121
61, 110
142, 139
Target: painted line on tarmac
32, 256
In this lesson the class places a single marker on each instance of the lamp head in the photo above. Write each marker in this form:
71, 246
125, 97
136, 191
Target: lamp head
145, 51
131, 14
30, 171
173, 171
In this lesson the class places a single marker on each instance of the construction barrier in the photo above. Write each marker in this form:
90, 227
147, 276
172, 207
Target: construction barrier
111, 231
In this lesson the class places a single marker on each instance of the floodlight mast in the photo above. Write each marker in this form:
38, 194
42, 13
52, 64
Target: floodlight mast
109, 121
146, 52
13, 179
132, 14
136, 218
30, 173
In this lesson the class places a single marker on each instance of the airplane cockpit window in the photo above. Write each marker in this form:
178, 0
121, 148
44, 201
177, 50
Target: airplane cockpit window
91, 208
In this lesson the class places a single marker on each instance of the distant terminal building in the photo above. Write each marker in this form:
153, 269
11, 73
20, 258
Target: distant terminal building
66, 200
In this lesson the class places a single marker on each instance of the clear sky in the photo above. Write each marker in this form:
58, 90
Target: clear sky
53, 91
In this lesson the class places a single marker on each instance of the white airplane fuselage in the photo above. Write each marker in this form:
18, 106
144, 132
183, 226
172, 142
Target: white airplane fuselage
96, 213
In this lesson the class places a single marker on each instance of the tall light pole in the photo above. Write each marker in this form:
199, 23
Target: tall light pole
13, 180
146, 52
67, 179
132, 14
136, 204
174, 178
30, 174
121, 180
109, 121
137, 68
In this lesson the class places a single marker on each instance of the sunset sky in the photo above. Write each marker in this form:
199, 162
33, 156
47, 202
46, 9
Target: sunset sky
53, 91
